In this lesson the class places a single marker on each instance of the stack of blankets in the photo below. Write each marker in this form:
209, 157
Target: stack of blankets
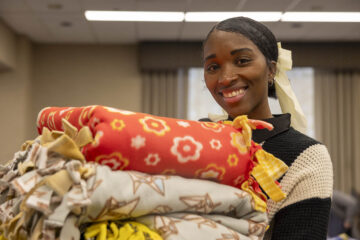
97, 172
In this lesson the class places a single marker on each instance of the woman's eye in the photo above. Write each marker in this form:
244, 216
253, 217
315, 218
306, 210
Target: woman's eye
212, 68
241, 61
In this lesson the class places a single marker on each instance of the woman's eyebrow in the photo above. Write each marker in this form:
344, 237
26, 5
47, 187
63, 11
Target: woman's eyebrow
210, 56
233, 52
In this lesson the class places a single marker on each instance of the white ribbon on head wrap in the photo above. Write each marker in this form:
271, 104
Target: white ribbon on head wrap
287, 99
218, 117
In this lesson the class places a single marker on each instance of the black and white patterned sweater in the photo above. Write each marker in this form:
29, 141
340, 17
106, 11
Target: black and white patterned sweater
308, 183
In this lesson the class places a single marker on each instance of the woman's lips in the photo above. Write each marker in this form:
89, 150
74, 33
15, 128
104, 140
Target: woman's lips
234, 95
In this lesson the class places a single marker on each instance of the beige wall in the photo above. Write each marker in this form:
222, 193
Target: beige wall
34, 76
80, 75
7, 48
15, 100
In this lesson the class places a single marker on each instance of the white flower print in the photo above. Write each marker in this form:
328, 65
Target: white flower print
186, 149
152, 159
215, 144
138, 142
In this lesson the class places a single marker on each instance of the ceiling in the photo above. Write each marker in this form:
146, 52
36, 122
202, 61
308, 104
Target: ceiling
63, 21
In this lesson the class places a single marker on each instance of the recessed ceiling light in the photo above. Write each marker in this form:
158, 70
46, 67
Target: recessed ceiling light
137, 16
55, 6
147, 16
66, 24
321, 17
219, 16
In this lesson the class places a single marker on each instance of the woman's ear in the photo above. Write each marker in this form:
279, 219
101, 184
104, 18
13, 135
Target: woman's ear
272, 69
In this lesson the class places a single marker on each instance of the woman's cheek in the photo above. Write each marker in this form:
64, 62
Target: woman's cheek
210, 83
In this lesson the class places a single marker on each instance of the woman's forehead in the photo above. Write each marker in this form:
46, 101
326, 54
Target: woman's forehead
227, 41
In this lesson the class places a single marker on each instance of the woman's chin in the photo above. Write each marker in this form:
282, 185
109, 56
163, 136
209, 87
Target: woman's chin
238, 112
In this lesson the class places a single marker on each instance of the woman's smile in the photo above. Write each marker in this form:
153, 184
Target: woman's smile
233, 95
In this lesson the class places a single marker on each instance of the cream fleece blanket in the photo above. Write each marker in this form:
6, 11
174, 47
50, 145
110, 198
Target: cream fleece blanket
47, 196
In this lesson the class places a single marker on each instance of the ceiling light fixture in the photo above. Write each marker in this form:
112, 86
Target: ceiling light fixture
321, 17
136, 16
146, 16
219, 16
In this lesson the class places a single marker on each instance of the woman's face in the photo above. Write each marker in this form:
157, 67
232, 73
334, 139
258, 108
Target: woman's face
237, 74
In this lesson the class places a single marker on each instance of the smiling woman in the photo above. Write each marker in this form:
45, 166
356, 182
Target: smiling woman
241, 69
235, 71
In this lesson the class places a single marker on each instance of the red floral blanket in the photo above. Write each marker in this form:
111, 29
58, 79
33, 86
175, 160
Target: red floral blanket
126, 140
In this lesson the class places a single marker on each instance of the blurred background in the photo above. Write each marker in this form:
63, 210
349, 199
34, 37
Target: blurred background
51, 55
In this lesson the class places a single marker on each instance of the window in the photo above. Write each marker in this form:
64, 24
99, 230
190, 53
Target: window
200, 101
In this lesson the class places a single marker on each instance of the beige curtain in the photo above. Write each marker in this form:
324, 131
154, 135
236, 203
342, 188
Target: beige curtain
164, 92
337, 109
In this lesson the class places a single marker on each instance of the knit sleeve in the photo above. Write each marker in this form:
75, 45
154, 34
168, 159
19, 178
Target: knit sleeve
308, 183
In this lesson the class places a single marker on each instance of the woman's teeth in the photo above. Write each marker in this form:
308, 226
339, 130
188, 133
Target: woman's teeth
234, 93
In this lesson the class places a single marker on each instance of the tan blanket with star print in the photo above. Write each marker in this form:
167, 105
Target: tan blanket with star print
45, 195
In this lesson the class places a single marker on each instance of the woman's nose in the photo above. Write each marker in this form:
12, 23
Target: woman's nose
227, 77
